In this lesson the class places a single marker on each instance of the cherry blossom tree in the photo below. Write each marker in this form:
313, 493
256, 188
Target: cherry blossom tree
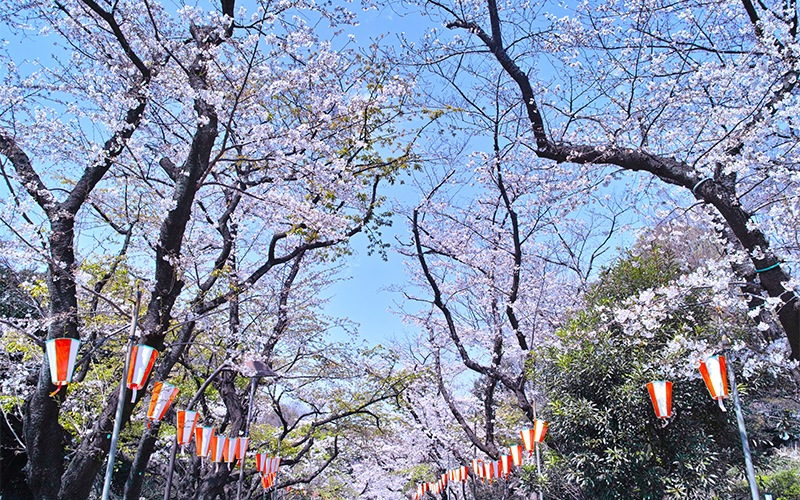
192, 153
699, 96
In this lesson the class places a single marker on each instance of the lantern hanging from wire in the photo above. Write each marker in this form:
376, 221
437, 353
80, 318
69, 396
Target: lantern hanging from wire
261, 462
219, 445
142, 359
187, 421
477, 467
716, 378
506, 461
61, 354
241, 449
488, 469
535, 435
202, 437
516, 454
163, 394
229, 455
661, 395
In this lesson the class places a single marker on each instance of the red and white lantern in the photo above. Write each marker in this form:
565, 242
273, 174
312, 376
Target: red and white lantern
274, 465
261, 462
241, 449
488, 471
477, 467
203, 437
142, 360
463, 472
661, 395
219, 444
505, 461
516, 454
539, 430
163, 394
187, 421
231, 444
61, 354
716, 378
528, 440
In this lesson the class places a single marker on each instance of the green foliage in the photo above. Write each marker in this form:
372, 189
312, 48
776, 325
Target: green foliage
608, 441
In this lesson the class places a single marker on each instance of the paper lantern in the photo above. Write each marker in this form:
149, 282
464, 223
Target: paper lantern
229, 454
274, 465
187, 421
241, 449
444, 479
61, 354
539, 430
202, 437
477, 467
516, 454
163, 394
506, 464
142, 359
488, 471
661, 394
261, 462
219, 445
528, 440
716, 378
463, 472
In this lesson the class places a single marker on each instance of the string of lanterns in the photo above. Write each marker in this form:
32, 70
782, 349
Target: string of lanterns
489, 470
714, 375
61, 355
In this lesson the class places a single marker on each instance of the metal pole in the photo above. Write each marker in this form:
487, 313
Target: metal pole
253, 384
538, 464
121, 403
748, 460
174, 452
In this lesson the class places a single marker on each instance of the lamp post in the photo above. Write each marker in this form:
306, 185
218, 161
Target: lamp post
121, 402
254, 369
748, 459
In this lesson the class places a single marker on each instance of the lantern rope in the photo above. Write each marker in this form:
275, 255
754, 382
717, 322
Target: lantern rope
768, 268
694, 189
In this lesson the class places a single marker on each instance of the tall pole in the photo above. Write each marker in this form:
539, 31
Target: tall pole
538, 463
121, 403
748, 459
253, 384
174, 451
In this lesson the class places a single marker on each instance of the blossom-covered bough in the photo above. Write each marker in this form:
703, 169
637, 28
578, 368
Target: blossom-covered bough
222, 147
699, 101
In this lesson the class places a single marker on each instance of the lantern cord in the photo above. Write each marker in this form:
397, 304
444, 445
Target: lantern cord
133, 396
768, 268
694, 189
721, 405
58, 388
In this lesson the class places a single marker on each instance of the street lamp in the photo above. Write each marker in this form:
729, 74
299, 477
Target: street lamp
255, 369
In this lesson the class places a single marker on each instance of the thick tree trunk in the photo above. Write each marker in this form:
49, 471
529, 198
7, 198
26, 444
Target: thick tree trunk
44, 436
